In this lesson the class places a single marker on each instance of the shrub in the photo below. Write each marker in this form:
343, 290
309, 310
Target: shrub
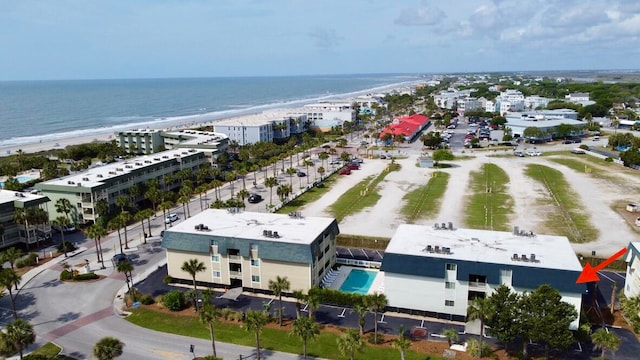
87, 276
174, 300
29, 260
146, 299
158, 300
608, 159
61, 247
167, 280
472, 348
66, 275
584, 147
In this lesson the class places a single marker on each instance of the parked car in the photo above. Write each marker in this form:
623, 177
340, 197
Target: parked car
357, 160
171, 218
67, 229
353, 166
382, 156
119, 258
345, 171
336, 162
578, 151
518, 153
301, 174
254, 198
568, 142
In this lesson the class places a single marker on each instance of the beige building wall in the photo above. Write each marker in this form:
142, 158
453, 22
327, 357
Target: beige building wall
175, 259
299, 275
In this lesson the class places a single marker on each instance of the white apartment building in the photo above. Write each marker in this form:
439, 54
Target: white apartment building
468, 104
534, 101
86, 188
632, 280
510, 100
436, 271
247, 249
577, 97
326, 115
25, 233
446, 99
148, 141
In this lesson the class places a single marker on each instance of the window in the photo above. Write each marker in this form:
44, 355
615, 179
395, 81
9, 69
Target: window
253, 247
451, 267
255, 262
449, 303
255, 278
449, 285
215, 258
214, 242
216, 273
505, 273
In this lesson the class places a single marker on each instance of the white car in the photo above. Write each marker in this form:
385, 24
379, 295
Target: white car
171, 218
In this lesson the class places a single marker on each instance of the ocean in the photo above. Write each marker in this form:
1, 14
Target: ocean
33, 111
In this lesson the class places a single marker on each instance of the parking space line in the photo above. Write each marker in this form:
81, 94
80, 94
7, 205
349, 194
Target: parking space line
305, 308
605, 276
421, 324
617, 273
381, 320
342, 313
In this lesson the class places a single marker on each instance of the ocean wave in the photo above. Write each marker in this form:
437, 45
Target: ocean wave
182, 121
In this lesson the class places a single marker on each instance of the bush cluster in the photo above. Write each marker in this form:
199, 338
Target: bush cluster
336, 297
29, 260
66, 275
146, 299
174, 300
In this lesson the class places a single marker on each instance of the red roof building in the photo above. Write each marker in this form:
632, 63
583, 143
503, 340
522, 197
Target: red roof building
409, 126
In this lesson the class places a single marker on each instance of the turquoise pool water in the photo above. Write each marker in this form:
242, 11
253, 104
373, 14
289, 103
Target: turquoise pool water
358, 281
21, 179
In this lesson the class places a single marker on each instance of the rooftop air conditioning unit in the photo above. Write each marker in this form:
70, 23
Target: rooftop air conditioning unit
99, 175
165, 157
85, 179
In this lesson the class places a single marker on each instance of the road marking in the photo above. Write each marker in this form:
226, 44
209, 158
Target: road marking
78, 323
342, 313
170, 355
605, 276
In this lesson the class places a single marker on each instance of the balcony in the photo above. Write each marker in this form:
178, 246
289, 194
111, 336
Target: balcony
477, 286
234, 258
235, 274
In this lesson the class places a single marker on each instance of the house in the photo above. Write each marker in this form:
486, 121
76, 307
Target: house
436, 270
247, 249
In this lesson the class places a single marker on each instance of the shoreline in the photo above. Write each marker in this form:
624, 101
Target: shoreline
58, 141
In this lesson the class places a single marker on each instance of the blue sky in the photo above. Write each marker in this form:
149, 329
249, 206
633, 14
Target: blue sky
88, 39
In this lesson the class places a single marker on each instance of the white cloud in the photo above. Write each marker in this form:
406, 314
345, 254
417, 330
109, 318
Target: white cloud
422, 16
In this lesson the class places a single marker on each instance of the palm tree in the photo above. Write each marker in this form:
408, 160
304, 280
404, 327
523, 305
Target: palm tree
605, 340
164, 206
323, 156
96, 232
280, 285
255, 321
193, 267
108, 348
148, 214
208, 316
125, 217
376, 302
350, 343
201, 190
63, 206
126, 268
62, 222
308, 163
451, 334
11, 255
271, 182
361, 310
9, 279
479, 309
321, 171
402, 344
291, 171
243, 194
306, 329
243, 174
116, 224
154, 196
299, 296
18, 336
313, 302
231, 179
20, 217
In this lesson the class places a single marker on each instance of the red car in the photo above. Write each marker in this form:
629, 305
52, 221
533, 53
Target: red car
353, 166
345, 171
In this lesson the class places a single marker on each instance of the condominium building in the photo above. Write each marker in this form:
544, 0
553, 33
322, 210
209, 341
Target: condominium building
148, 141
23, 232
86, 189
326, 115
437, 270
545, 120
247, 249
632, 280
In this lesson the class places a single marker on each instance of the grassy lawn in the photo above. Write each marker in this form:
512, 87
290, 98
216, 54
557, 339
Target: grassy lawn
309, 196
323, 346
490, 205
360, 241
425, 201
362, 195
48, 351
569, 218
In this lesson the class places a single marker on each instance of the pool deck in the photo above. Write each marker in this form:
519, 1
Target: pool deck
377, 286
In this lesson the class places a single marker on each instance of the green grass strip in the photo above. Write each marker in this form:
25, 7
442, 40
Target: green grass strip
309, 196
425, 201
489, 205
569, 218
48, 351
362, 195
323, 346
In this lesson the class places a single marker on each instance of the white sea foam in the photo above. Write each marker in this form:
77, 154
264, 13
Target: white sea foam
184, 121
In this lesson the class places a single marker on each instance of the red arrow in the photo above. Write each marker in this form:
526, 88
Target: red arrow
590, 274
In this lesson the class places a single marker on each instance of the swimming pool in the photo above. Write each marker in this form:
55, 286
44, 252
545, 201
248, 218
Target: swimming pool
21, 179
358, 281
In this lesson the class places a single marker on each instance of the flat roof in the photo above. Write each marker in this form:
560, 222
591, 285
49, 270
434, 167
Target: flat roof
543, 123
250, 225
485, 246
99, 174
196, 137
9, 196
264, 118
